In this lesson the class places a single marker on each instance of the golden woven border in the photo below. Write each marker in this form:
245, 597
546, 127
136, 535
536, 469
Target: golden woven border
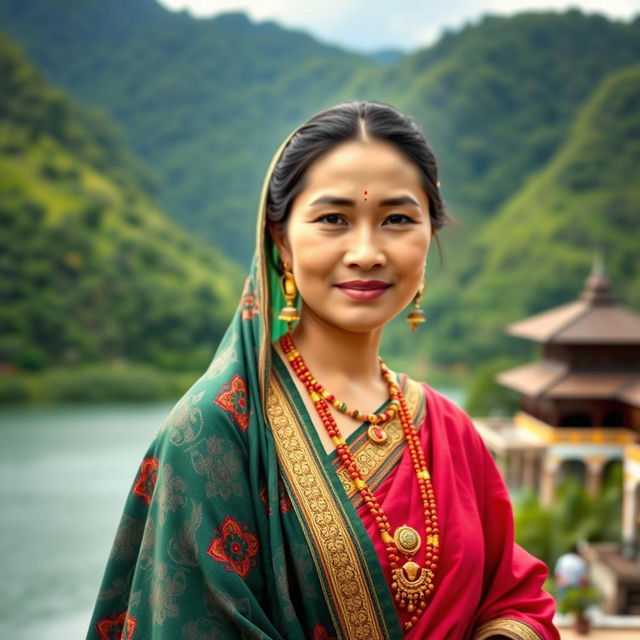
506, 627
374, 459
355, 616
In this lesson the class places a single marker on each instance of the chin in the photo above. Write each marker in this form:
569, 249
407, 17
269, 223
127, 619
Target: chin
359, 324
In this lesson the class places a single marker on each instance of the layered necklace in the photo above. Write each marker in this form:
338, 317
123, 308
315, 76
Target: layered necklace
411, 583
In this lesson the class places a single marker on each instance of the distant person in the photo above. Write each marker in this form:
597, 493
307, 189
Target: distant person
570, 571
268, 506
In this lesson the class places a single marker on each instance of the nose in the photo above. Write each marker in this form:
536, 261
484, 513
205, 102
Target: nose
364, 250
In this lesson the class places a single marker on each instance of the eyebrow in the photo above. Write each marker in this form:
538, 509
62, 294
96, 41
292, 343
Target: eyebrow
346, 202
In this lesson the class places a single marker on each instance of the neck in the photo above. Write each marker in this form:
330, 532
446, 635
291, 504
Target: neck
348, 358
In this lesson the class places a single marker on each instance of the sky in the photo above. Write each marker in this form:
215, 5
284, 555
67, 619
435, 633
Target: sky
370, 25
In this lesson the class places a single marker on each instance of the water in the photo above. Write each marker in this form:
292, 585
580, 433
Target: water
64, 476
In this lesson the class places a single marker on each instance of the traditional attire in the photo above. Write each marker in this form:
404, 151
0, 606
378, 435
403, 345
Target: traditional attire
239, 524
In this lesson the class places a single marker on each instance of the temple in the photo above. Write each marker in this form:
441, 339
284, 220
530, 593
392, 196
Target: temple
579, 414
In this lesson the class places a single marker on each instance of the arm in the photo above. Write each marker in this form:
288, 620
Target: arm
514, 603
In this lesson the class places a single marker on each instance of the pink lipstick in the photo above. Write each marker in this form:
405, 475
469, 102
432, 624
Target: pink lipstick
364, 289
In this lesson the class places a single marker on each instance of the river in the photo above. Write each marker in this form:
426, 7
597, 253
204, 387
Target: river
64, 475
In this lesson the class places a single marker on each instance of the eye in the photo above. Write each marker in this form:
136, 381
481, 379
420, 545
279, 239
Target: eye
332, 218
398, 218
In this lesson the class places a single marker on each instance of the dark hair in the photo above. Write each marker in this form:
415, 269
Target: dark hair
341, 123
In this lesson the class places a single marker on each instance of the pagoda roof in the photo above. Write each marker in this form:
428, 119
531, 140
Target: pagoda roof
535, 378
595, 318
548, 379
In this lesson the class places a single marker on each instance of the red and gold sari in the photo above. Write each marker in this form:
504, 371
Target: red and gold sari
485, 584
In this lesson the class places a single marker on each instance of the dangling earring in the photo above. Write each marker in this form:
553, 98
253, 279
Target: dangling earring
288, 313
416, 315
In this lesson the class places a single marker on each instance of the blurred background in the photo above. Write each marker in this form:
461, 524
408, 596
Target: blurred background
134, 139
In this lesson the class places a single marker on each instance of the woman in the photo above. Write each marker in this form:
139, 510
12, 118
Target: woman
267, 507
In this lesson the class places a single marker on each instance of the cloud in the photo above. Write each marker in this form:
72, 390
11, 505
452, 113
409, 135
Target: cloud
374, 24
612, 8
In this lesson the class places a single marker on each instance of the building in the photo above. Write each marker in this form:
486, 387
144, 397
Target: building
579, 414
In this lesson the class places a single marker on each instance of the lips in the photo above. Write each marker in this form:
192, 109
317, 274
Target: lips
364, 289
364, 285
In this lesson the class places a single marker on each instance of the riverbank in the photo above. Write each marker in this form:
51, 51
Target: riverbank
95, 383
121, 382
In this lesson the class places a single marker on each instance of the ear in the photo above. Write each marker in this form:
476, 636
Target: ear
280, 240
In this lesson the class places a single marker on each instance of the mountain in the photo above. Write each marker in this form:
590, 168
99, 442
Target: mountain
386, 56
498, 96
537, 251
90, 270
205, 102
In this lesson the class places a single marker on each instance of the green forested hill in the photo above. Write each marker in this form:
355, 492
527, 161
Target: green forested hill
206, 101
537, 251
90, 270
498, 97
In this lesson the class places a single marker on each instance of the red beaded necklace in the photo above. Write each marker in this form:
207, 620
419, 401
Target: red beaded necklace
411, 583
376, 420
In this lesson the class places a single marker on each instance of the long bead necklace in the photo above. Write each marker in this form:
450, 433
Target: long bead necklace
411, 583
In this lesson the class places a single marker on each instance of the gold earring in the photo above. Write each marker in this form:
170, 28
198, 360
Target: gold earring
288, 313
416, 315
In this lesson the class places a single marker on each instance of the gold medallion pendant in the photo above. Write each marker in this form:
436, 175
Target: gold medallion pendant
411, 582
376, 434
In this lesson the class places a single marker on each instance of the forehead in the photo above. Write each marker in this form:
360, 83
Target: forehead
355, 164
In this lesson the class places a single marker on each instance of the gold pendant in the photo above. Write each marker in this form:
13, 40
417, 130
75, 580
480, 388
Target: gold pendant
411, 583
376, 434
407, 540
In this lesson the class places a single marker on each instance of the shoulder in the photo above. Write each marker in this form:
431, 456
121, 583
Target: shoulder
198, 450
442, 407
447, 419
208, 408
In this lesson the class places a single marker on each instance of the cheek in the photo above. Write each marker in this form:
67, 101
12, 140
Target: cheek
313, 255
410, 255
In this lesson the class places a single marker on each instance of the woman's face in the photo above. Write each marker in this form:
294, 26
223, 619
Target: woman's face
358, 236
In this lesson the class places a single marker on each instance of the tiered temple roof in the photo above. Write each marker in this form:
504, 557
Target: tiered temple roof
595, 319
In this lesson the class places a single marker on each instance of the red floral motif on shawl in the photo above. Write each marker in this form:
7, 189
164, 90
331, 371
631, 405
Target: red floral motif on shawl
121, 627
234, 545
265, 498
233, 399
321, 633
248, 301
146, 481
284, 502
